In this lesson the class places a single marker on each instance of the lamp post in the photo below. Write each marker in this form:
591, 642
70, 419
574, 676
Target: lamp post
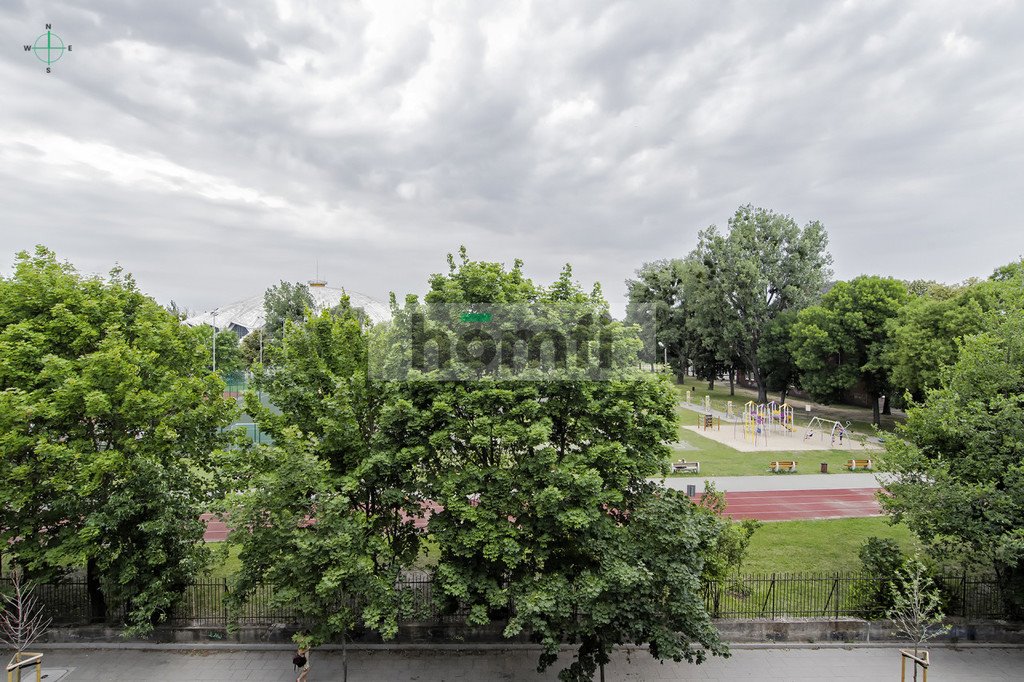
214, 340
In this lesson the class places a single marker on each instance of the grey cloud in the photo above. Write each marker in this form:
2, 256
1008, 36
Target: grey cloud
896, 124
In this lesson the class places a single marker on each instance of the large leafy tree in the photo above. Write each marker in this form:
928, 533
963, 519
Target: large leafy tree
657, 303
958, 467
108, 418
539, 469
924, 337
843, 340
329, 463
765, 264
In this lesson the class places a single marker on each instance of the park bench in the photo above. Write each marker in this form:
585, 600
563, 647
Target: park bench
855, 464
782, 465
684, 467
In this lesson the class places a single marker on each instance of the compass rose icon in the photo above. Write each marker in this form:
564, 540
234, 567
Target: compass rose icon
48, 47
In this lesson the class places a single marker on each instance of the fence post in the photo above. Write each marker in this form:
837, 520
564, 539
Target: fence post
964, 592
223, 600
838, 595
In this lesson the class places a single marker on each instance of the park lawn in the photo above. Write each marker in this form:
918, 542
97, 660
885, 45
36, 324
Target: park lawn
829, 545
224, 562
717, 459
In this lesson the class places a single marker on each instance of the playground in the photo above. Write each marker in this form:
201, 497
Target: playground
771, 427
733, 437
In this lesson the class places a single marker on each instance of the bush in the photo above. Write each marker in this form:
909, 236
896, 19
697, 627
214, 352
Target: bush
881, 558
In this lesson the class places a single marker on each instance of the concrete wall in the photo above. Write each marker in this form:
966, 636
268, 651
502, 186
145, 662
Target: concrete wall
740, 631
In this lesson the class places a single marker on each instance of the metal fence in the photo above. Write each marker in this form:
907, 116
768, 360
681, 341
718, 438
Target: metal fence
769, 596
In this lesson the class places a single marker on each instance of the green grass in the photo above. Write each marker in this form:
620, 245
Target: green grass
818, 546
224, 562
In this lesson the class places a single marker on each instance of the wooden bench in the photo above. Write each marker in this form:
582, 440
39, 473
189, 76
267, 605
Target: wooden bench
782, 465
855, 464
684, 467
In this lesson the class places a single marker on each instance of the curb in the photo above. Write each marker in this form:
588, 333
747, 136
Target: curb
144, 646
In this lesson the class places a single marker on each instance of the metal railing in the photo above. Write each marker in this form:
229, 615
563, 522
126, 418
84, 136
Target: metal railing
769, 596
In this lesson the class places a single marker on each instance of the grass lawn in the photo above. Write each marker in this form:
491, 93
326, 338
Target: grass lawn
815, 546
224, 562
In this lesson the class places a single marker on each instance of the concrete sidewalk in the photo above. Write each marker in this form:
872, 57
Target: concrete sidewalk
978, 664
851, 481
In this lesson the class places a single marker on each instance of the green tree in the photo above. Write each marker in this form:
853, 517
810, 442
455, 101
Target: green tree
539, 468
843, 340
916, 609
925, 335
228, 356
109, 419
329, 463
777, 362
284, 302
957, 469
657, 303
252, 347
765, 265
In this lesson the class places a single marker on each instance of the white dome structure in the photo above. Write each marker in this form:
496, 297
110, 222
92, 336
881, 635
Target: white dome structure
247, 315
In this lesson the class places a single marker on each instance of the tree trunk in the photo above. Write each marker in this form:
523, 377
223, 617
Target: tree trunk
762, 389
885, 405
344, 658
732, 381
783, 394
876, 418
97, 602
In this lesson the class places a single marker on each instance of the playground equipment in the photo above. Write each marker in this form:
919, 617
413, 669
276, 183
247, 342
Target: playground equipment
730, 411
755, 425
689, 397
708, 420
836, 430
780, 417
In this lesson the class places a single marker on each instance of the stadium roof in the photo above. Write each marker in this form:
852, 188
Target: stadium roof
247, 315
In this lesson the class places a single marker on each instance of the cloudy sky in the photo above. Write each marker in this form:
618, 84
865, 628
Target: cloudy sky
213, 148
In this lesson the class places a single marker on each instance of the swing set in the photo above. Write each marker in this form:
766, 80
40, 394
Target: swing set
836, 430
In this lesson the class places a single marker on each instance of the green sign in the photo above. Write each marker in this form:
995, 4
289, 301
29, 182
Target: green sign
475, 317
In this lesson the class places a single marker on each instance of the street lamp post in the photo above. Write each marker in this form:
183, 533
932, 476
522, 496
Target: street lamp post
214, 340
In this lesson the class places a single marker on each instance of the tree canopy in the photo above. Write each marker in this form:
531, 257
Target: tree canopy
109, 425
539, 470
842, 341
765, 264
958, 464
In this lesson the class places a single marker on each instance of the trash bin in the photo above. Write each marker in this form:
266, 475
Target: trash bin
824, 467
691, 491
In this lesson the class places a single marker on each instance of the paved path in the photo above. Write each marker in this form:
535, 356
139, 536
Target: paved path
448, 664
778, 482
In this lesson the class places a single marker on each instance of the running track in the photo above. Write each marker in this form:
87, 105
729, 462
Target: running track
763, 505
791, 505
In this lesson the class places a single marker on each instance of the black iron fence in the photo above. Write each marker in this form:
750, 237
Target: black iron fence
770, 596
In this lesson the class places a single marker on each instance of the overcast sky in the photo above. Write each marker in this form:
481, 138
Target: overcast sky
214, 148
